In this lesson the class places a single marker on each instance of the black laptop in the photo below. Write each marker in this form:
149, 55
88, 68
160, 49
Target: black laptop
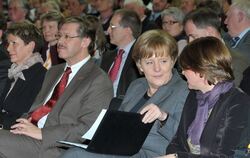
119, 133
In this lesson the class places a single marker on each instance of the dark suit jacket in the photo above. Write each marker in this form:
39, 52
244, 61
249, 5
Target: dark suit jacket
148, 25
222, 131
243, 46
54, 54
3, 53
22, 94
76, 109
245, 83
157, 21
4, 66
129, 72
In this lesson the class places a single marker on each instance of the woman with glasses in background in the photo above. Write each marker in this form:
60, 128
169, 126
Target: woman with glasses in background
172, 19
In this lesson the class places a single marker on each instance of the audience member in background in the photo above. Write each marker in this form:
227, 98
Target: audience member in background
215, 112
124, 29
238, 24
188, 5
34, 6
49, 6
18, 10
157, 7
26, 73
172, 22
77, 7
139, 7
100, 39
106, 9
4, 58
204, 22
72, 96
160, 95
50, 22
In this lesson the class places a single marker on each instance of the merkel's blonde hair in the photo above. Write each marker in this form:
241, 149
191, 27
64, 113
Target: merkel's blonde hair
155, 43
209, 57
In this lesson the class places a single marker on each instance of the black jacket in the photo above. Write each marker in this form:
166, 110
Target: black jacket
21, 96
222, 131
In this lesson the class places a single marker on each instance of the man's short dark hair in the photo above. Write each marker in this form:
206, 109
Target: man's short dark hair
203, 17
130, 19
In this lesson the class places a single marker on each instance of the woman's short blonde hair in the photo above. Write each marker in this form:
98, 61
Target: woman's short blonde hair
155, 43
209, 57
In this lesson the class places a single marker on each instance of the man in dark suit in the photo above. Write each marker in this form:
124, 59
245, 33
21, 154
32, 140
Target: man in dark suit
238, 24
88, 90
125, 27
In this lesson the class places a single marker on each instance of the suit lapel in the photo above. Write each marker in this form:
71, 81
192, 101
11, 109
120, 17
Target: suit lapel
50, 80
81, 75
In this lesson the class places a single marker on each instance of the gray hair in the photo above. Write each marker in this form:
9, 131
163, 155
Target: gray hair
174, 12
243, 5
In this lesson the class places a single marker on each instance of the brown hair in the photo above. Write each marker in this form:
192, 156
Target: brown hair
155, 42
209, 57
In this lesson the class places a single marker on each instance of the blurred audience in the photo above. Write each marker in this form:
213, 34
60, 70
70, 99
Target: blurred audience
139, 7
18, 10
77, 7
105, 9
157, 7
188, 5
100, 39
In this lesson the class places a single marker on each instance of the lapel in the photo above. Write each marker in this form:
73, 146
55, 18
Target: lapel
51, 78
108, 59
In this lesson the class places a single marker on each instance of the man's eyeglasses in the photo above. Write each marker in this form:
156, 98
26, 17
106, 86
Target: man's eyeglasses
169, 22
113, 26
66, 37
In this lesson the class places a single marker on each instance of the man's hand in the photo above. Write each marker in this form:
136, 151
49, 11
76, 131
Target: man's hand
25, 127
153, 112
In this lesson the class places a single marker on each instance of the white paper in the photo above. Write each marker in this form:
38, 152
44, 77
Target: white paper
90, 133
74, 144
